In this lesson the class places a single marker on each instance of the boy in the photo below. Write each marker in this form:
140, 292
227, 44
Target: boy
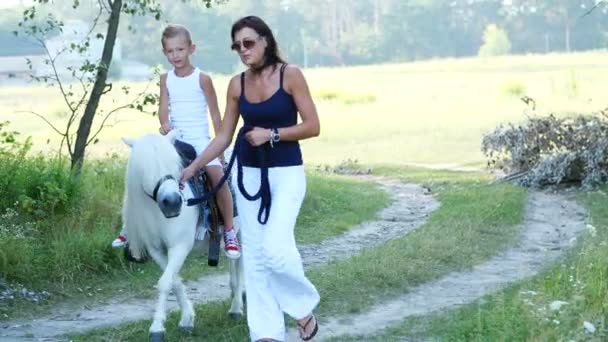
186, 95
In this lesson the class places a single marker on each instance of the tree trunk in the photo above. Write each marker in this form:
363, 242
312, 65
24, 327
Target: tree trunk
84, 128
376, 16
567, 33
567, 39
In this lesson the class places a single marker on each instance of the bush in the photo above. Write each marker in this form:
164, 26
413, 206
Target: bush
495, 42
326, 95
60, 232
572, 88
54, 226
551, 150
514, 88
347, 99
37, 185
17, 248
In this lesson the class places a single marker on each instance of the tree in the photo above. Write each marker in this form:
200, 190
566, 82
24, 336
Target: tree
92, 74
568, 19
495, 42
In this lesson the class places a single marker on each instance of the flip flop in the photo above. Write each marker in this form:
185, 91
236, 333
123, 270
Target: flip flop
305, 325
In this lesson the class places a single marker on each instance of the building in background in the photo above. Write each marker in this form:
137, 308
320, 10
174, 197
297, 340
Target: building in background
17, 69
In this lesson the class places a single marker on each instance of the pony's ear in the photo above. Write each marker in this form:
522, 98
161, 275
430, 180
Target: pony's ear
172, 135
128, 141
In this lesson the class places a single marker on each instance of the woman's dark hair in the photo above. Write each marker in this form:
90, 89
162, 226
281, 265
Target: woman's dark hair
271, 53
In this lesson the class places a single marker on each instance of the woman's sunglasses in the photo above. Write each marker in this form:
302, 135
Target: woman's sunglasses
247, 44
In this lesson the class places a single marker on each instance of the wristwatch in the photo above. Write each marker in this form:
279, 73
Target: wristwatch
275, 137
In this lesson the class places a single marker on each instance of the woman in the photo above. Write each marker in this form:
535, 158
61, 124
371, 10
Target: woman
268, 95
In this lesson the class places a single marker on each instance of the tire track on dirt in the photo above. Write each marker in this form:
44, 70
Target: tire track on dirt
551, 224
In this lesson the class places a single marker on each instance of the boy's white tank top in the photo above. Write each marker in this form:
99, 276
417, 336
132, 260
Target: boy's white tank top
188, 110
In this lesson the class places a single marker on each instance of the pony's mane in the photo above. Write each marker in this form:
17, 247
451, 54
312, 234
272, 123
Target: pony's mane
156, 156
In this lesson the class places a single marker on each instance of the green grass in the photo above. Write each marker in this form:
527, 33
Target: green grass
70, 249
521, 312
438, 179
473, 222
333, 204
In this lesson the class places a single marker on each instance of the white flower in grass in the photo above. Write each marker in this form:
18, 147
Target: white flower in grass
589, 327
556, 305
528, 292
592, 230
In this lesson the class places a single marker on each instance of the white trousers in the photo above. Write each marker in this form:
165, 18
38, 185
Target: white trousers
274, 275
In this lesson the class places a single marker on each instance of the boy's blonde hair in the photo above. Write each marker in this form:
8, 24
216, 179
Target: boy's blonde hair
174, 30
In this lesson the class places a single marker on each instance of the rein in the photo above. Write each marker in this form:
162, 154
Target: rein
264, 191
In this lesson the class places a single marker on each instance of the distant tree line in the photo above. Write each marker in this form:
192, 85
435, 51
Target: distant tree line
341, 32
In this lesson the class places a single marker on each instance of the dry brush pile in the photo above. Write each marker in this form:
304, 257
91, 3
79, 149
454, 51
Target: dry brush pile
547, 150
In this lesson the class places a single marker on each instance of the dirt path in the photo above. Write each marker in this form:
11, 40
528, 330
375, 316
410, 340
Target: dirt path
409, 209
550, 226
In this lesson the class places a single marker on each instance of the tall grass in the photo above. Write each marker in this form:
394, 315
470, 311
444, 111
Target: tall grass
53, 227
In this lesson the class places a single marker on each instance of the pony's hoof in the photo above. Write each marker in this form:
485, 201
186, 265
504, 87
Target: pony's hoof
235, 316
131, 258
157, 336
185, 330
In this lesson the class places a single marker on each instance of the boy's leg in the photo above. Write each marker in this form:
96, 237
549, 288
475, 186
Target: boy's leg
225, 205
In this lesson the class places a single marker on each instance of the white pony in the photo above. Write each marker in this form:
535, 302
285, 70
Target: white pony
160, 224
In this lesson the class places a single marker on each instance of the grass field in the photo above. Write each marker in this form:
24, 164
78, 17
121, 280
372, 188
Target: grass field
423, 112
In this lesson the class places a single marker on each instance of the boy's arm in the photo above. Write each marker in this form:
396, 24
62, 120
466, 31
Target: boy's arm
163, 106
214, 110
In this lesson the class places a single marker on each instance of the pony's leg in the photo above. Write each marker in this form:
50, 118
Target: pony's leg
176, 256
187, 320
157, 329
237, 288
186, 323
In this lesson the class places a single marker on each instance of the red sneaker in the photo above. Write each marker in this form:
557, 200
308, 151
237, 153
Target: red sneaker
120, 241
231, 244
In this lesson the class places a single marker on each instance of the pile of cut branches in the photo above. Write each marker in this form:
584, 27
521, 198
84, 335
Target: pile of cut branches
550, 150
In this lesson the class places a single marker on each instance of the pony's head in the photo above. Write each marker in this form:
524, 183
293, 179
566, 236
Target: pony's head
154, 168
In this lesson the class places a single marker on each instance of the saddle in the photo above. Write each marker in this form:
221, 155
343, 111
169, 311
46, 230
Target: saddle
210, 213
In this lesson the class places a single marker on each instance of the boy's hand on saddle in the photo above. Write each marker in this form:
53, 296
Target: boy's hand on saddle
258, 136
165, 128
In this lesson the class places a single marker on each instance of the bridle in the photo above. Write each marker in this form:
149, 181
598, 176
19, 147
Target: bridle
158, 185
